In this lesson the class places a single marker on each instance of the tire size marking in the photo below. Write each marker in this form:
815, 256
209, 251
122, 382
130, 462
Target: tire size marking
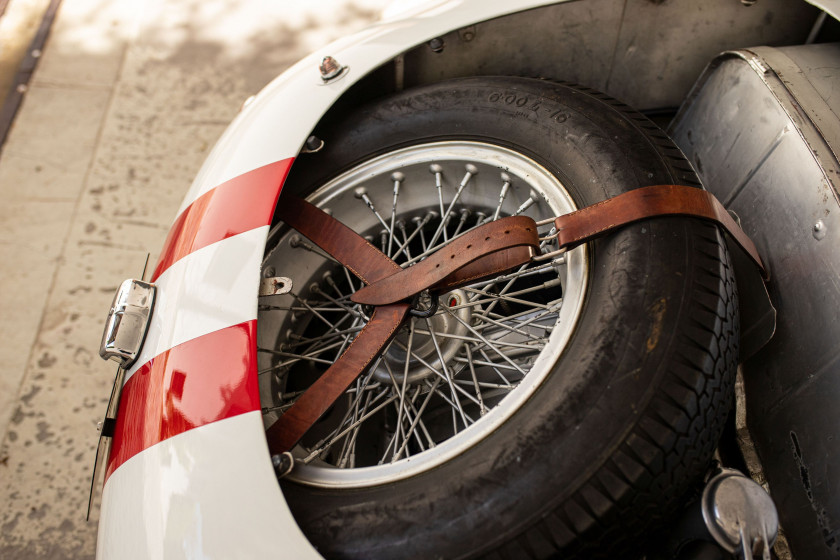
559, 116
521, 101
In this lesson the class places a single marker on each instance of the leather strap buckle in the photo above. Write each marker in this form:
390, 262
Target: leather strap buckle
417, 310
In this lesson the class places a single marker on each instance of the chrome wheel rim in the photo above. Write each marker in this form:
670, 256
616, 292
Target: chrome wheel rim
447, 382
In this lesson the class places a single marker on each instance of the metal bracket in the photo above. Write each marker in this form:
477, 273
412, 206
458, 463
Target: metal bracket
275, 286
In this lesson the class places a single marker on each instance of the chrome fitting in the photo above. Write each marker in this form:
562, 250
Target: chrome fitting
127, 322
740, 515
330, 69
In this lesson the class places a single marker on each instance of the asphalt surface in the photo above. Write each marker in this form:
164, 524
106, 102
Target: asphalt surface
126, 101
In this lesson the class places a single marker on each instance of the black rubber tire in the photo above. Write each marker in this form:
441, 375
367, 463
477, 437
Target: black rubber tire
628, 421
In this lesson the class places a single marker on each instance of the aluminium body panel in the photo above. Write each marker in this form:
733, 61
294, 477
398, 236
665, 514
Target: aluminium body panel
642, 52
761, 131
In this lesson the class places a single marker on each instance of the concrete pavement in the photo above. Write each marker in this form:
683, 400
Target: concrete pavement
126, 102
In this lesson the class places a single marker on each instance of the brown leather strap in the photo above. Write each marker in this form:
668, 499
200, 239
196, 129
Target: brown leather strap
485, 251
339, 241
490, 249
365, 348
660, 200
369, 264
487, 266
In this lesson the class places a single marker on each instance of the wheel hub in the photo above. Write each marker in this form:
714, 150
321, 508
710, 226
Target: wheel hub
449, 331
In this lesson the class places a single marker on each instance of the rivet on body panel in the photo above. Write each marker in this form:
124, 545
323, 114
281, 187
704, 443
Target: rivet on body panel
331, 69
819, 230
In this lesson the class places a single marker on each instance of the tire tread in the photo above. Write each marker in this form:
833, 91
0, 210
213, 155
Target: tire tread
659, 452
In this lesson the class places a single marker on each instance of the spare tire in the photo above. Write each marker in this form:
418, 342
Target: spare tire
612, 409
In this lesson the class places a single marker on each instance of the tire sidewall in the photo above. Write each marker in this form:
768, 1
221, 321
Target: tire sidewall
607, 375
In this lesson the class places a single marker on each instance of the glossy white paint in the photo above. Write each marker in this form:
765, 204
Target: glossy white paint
206, 493
831, 7
208, 290
277, 122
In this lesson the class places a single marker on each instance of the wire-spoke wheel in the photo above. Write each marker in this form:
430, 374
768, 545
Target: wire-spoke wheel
445, 380
564, 407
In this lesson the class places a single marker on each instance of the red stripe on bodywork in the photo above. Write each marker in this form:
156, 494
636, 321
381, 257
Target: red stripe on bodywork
203, 380
236, 206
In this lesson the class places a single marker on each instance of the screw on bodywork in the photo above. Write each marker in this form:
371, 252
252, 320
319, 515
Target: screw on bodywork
819, 230
467, 34
247, 102
436, 45
313, 144
283, 464
330, 68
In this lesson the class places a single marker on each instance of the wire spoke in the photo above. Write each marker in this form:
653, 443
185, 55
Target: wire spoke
485, 341
478, 340
351, 427
511, 329
398, 178
437, 372
446, 372
355, 312
444, 219
312, 310
456, 406
324, 337
417, 416
553, 307
550, 266
404, 247
297, 243
475, 381
296, 357
494, 366
502, 195
301, 308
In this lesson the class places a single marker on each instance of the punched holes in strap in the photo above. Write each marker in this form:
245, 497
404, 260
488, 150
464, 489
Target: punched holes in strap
483, 252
